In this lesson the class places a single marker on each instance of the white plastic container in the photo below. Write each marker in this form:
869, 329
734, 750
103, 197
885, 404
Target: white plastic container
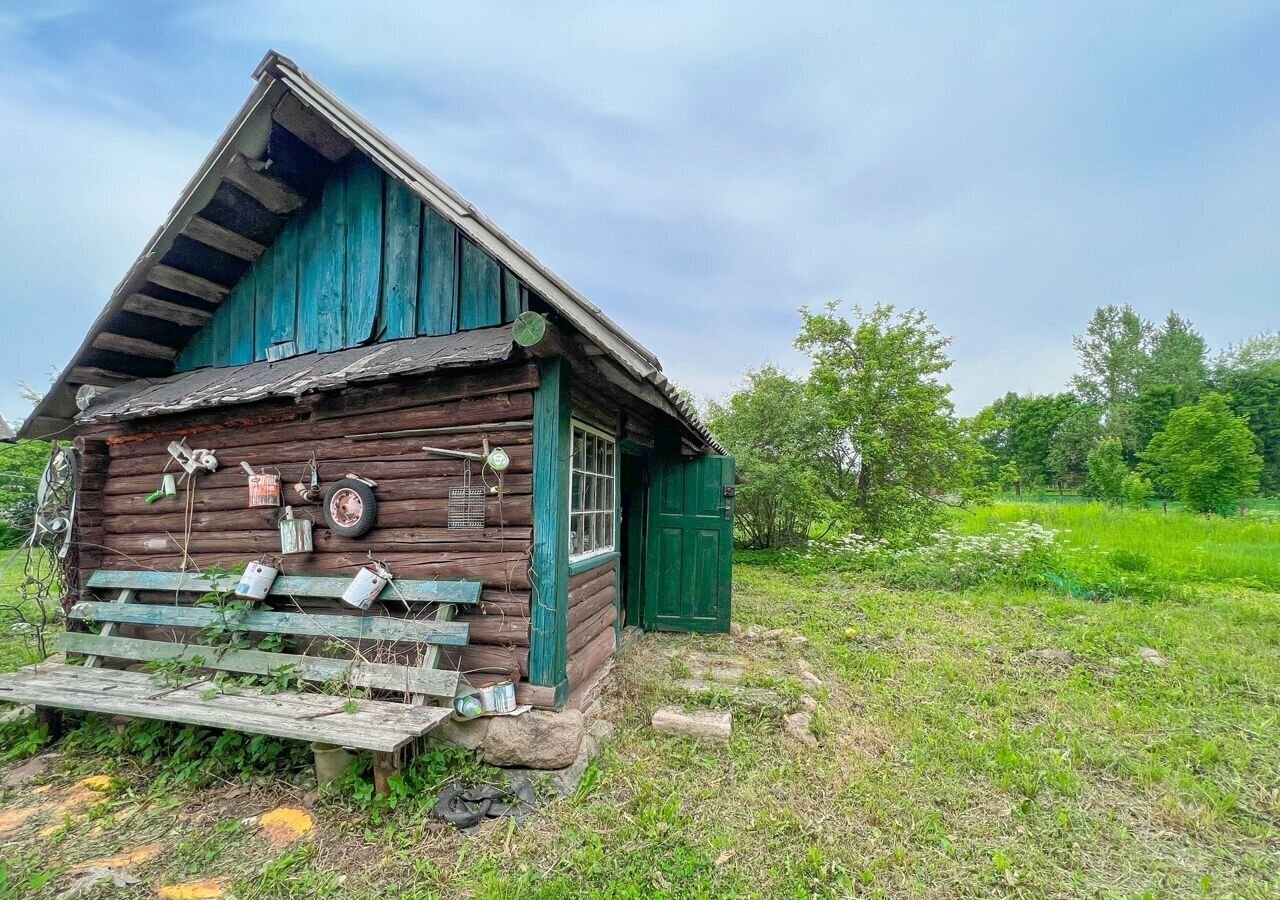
256, 580
366, 586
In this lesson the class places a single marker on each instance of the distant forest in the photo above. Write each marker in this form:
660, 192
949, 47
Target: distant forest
1134, 377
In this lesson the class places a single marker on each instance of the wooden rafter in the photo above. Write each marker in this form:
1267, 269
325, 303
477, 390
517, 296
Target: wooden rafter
186, 283
309, 128
169, 312
133, 346
94, 375
268, 190
214, 235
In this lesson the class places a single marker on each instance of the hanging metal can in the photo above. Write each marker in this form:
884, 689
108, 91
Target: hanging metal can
366, 586
295, 533
264, 490
256, 580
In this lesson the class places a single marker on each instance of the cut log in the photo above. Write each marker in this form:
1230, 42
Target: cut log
211, 234
268, 190
132, 346
186, 283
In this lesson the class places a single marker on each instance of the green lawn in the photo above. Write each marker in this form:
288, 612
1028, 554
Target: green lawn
952, 759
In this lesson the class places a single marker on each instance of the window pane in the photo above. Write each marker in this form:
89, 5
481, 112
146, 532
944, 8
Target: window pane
591, 453
589, 534
575, 535
575, 501
579, 449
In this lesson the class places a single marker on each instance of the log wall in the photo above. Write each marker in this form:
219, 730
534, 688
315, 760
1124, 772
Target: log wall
119, 530
593, 617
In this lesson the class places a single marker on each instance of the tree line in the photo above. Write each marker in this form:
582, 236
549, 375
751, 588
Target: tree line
1148, 413
869, 441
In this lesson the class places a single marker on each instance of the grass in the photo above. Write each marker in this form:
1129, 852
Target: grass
1179, 547
954, 760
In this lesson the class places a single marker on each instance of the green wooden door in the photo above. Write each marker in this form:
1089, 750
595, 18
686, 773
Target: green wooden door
690, 544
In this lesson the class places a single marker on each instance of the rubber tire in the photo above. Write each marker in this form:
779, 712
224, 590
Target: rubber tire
367, 521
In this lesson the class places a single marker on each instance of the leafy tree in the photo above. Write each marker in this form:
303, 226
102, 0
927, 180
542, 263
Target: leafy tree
1151, 410
1114, 356
772, 428
1070, 445
896, 447
21, 466
1250, 375
1137, 490
1108, 473
1205, 455
1178, 359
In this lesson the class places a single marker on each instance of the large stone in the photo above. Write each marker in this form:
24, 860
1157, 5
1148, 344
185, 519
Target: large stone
810, 681
702, 724
1152, 657
469, 734
538, 739
565, 781
798, 726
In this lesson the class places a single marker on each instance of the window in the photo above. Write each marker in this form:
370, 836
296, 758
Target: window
592, 505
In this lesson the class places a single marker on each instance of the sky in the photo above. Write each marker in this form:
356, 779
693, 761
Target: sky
702, 170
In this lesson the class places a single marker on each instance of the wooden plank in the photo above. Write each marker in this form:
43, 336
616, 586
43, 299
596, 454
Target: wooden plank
480, 289
211, 234
512, 297
384, 676
331, 280
219, 329
402, 237
310, 128
268, 190
549, 561
240, 321
284, 284
186, 283
123, 598
375, 627
364, 192
94, 375
133, 346
407, 590
310, 272
375, 725
262, 274
431, 656
176, 313
438, 275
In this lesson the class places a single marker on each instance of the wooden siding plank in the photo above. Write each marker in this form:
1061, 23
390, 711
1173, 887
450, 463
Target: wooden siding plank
550, 558
260, 662
310, 251
364, 191
331, 280
512, 297
398, 308
438, 271
312, 130
375, 627
263, 275
239, 311
284, 282
407, 590
480, 289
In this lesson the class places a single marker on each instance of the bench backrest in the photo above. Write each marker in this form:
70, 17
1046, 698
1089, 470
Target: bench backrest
434, 631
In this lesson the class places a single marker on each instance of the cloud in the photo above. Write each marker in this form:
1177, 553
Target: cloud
701, 170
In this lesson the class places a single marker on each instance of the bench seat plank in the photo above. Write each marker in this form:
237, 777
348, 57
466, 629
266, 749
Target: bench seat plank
376, 725
406, 590
410, 679
374, 627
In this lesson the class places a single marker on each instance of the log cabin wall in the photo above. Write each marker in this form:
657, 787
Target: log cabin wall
593, 618
119, 530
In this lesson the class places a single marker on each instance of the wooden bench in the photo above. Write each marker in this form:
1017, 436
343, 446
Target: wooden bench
379, 725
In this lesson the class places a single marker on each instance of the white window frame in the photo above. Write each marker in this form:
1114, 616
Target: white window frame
598, 486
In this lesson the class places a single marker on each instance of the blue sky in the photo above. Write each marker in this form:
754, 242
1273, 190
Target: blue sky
700, 170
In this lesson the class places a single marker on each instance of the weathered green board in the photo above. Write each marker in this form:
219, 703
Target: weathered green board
365, 260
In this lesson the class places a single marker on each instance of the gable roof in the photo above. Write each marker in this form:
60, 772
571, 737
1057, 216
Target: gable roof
118, 348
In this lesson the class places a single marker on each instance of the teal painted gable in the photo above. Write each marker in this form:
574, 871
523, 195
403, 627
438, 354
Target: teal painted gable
365, 261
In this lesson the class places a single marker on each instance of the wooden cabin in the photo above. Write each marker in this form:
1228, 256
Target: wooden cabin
318, 299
